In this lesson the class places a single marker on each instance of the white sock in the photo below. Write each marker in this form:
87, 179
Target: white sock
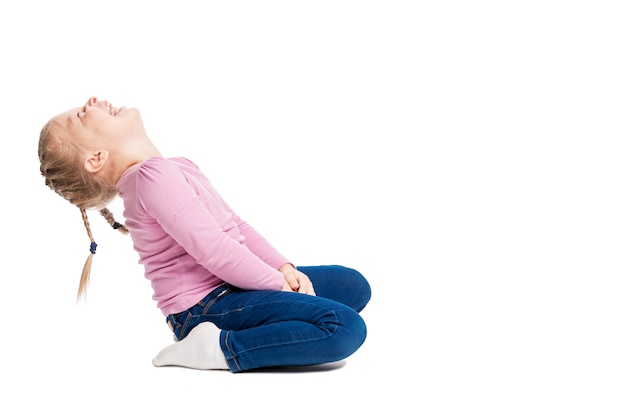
199, 350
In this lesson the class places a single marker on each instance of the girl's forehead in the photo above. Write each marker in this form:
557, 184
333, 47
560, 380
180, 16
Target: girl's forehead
58, 130
65, 120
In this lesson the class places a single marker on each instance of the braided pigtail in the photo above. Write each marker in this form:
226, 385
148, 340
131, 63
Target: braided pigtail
106, 213
84, 278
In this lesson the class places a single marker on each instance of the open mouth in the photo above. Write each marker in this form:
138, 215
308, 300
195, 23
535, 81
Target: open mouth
113, 111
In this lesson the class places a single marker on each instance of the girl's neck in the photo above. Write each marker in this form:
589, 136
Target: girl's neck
131, 159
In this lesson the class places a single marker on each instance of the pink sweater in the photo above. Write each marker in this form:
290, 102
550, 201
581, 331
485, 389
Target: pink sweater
187, 237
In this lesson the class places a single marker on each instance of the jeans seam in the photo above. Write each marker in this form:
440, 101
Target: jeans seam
230, 352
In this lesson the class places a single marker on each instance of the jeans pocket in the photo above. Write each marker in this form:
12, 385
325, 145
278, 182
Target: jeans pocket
182, 323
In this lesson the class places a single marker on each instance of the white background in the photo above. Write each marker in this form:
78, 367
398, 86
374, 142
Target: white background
466, 157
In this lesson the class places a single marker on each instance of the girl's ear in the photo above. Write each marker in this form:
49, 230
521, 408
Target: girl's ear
96, 161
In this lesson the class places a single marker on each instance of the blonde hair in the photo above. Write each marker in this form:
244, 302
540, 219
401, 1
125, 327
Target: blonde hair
61, 164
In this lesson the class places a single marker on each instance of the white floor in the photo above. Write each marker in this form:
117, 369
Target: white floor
95, 373
467, 157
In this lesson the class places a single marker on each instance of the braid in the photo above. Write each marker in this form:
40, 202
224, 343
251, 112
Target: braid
106, 213
84, 278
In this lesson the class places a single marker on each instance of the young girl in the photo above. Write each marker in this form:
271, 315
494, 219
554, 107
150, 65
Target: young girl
231, 300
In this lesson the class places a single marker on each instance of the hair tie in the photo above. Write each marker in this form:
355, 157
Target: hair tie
116, 225
93, 247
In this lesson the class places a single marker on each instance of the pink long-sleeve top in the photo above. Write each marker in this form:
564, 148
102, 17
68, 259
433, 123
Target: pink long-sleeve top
188, 239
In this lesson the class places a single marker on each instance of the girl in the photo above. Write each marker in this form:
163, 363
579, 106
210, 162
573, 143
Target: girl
230, 298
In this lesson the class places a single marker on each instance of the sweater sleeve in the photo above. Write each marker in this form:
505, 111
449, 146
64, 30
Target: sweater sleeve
164, 193
260, 246
257, 243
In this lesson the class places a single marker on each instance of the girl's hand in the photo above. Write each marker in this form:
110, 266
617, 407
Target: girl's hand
295, 280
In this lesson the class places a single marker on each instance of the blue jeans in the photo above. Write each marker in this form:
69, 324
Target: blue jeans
277, 328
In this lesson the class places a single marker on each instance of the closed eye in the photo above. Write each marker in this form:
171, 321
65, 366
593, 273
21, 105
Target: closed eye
81, 112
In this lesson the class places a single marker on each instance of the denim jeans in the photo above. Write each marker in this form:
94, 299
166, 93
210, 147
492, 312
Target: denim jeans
277, 328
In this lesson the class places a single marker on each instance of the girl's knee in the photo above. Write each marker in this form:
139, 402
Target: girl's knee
361, 288
351, 336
